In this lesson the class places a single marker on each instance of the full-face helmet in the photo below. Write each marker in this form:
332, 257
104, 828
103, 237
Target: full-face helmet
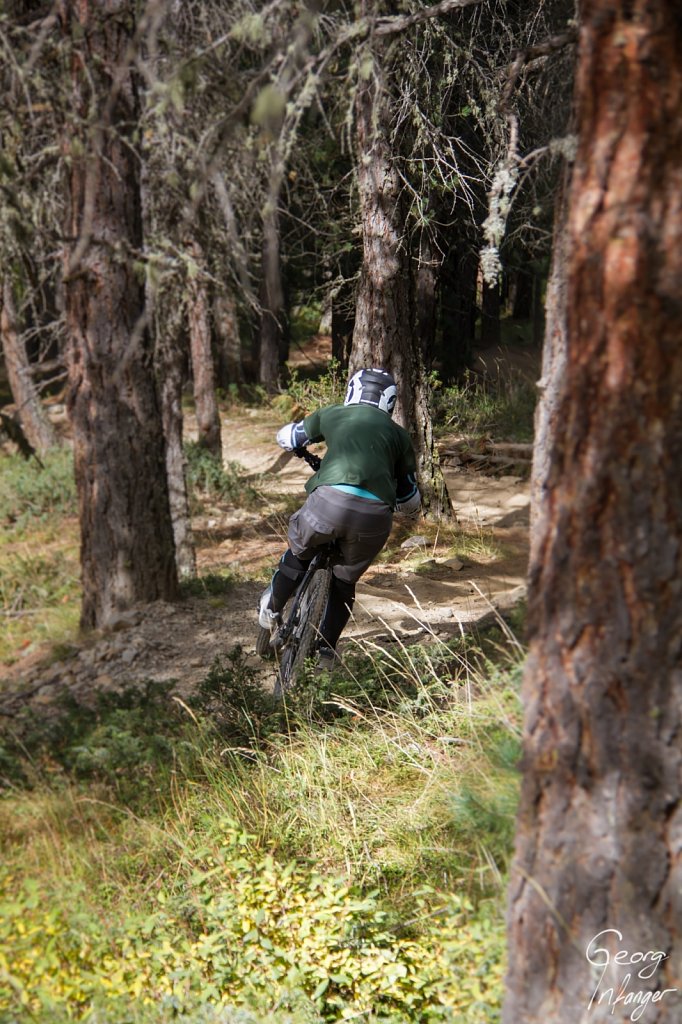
372, 387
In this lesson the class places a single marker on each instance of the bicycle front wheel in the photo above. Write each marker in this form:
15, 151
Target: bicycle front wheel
306, 631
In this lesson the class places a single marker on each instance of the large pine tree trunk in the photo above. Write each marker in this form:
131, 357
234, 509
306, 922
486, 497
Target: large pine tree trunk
599, 845
382, 335
126, 535
203, 369
35, 424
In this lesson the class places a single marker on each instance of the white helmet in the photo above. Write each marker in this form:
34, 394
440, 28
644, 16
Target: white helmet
372, 387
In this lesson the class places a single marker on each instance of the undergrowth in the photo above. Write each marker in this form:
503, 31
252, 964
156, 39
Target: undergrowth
502, 409
303, 394
39, 572
339, 855
32, 493
207, 477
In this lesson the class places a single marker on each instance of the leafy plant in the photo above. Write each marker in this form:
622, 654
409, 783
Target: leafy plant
309, 394
208, 477
237, 705
127, 740
240, 929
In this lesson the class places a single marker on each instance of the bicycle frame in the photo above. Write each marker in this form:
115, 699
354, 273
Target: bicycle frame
322, 560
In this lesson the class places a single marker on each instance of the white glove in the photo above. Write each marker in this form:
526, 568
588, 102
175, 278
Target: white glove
292, 436
285, 437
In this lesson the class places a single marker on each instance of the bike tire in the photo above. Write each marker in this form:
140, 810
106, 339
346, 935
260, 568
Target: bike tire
306, 632
263, 638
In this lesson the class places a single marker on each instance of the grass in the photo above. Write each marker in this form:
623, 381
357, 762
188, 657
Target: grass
39, 588
504, 410
32, 494
380, 803
441, 541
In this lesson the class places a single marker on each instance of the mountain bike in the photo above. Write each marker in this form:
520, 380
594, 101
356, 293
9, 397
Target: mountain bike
296, 637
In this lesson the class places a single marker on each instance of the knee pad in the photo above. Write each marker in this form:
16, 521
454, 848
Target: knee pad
292, 567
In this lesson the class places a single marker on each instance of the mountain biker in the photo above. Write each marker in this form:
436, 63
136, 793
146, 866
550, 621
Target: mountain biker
368, 471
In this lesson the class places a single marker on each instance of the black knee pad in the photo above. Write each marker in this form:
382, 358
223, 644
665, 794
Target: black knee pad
293, 567
288, 575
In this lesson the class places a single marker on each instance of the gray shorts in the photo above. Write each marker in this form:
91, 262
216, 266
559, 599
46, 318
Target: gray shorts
361, 527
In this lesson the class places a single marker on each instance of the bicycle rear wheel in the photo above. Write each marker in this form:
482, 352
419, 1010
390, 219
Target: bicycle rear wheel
306, 631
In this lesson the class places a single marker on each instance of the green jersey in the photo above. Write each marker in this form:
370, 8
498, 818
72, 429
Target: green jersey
365, 449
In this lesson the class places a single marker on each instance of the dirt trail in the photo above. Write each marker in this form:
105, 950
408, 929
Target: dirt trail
418, 589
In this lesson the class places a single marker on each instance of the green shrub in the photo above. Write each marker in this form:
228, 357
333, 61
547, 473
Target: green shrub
239, 929
207, 477
127, 740
30, 492
234, 701
314, 393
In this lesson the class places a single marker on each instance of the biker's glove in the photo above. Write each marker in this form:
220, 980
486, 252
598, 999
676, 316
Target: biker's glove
292, 436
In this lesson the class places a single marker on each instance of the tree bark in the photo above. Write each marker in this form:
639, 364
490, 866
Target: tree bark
382, 336
169, 359
426, 294
599, 846
230, 365
203, 370
272, 290
552, 380
35, 424
126, 535
490, 314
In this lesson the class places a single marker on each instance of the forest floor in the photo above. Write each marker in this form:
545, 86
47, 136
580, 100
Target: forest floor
429, 584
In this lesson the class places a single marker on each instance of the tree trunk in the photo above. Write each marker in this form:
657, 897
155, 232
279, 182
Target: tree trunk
169, 359
490, 314
552, 380
126, 534
343, 323
382, 335
35, 424
598, 866
426, 290
230, 366
203, 371
539, 326
272, 292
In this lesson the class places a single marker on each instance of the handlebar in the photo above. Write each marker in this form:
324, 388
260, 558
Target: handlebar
314, 461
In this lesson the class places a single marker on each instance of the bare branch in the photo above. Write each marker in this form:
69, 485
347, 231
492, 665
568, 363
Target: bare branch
388, 26
524, 57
